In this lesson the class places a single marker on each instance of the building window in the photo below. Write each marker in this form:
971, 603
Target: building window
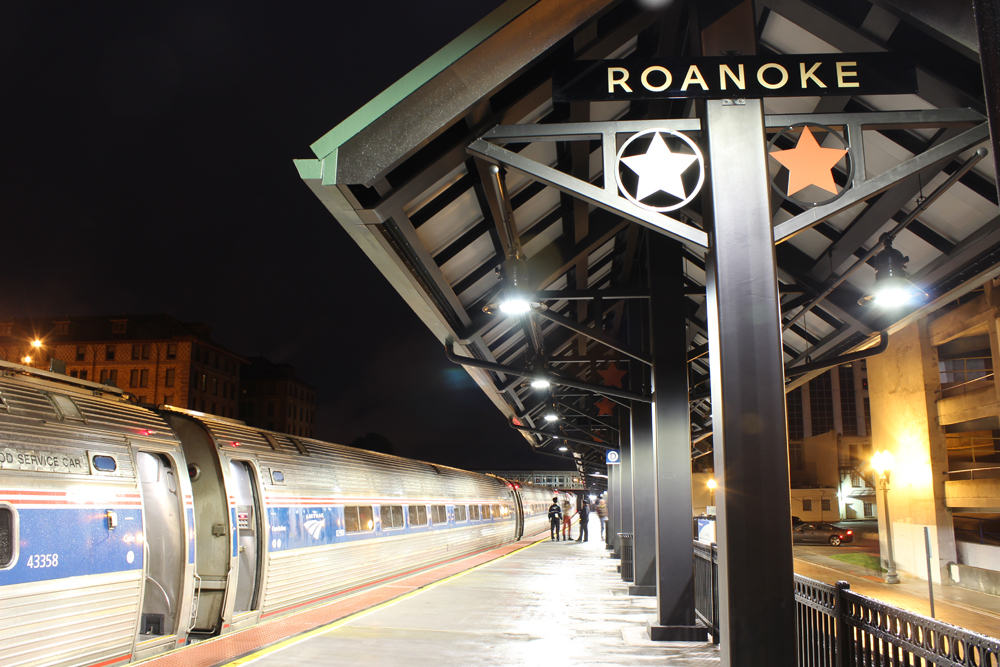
807, 505
868, 415
171, 350
215, 386
821, 404
168, 399
118, 326
168, 379
73, 374
795, 455
134, 378
5, 328
204, 382
109, 375
848, 407
140, 351
869, 509
109, 353
83, 374
81, 352
824, 504
855, 479
61, 327
793, 401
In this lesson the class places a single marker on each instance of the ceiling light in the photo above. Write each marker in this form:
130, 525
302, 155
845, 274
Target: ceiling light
563, 449
514, 296
540, 384
891, 289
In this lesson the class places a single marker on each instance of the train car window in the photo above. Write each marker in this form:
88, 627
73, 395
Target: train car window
392, 516
439, 514
496, 511
65, 407
418, 515
8, 537
277, 477
104, 463
461, 515
474, 512
486, 512
359, 519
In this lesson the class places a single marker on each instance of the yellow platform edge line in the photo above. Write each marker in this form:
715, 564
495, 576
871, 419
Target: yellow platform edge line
365, 612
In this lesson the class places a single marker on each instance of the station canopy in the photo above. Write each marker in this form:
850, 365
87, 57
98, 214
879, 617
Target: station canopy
399, 177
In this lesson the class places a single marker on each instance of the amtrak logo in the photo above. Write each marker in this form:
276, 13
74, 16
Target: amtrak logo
314, 527
662, 177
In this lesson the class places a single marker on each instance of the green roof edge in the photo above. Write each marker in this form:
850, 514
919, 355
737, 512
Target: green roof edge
420, 75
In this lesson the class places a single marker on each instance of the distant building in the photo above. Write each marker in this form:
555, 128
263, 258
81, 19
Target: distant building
155, 357
272, 397
563, 480
830, 446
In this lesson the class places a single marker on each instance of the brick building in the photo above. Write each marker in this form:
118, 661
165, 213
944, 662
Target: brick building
156, 357
272, 397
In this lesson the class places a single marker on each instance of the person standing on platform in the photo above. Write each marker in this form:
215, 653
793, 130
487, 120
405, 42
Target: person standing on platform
567, 515
555, 518
602, 514
584, 520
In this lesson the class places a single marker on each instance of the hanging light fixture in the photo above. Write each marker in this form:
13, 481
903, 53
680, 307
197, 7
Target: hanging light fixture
892, 289
540, 384
514, 296
551, 414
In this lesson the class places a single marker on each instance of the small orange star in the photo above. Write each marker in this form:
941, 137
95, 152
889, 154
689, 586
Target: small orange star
809, 164
612, 376
605, 407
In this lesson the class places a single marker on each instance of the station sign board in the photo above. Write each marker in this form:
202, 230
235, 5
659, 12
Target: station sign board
612, 456
729, 77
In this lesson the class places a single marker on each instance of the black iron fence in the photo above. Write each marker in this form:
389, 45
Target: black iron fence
837, 627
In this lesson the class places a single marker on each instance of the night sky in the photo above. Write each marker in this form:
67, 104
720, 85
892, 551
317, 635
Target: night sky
146, 167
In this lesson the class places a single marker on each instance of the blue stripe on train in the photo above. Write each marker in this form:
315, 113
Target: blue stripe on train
60, 542
302, 527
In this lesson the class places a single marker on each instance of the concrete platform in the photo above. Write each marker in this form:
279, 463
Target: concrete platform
552, 603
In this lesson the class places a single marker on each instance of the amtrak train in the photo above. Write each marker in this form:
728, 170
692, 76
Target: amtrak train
127, 531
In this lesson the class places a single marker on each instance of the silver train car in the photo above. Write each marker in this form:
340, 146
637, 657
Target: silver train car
126, 532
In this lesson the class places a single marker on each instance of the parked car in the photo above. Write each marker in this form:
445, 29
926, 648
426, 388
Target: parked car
821, 533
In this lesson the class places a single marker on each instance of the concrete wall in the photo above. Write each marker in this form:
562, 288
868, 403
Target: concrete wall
983, 556
980, 495
902, 383
815, 496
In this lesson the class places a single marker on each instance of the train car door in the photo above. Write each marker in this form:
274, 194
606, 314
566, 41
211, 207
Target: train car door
518, 512
164, 547
249, 531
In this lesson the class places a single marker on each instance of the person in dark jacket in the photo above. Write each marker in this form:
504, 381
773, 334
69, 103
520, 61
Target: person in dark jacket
584, 519
555, 518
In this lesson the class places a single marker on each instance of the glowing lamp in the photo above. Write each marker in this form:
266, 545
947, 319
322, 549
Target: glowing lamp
563, 449
891, 289
712, 485
514, 297
26, 360
36, 343
540, 384
882, 463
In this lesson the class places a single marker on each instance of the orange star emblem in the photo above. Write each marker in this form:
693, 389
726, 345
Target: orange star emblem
612, 376
809, 163
605, 407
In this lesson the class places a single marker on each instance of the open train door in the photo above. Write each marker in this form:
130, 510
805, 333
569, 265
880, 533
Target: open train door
515, 490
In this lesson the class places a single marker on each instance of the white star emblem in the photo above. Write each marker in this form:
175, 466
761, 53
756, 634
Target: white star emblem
659, 169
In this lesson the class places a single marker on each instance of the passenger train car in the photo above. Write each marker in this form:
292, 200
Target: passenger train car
127, 531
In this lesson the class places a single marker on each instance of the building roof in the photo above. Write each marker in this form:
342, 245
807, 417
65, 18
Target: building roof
398, 175
260, 368
102, 328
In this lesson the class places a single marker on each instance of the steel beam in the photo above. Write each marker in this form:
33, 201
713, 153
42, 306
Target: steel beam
597, 196
756, 590
595, 334
675, 618
873, 186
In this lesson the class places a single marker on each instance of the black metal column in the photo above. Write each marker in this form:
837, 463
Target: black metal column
612, 503
643, 494
756, 598
988, 27
625, 476
675, 619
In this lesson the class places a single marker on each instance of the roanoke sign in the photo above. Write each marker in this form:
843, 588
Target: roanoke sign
736, 77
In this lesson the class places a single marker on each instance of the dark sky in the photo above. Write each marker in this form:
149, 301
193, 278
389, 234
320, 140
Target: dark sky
146, 167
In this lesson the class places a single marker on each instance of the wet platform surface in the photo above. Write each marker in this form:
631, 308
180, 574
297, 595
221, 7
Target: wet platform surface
551, 603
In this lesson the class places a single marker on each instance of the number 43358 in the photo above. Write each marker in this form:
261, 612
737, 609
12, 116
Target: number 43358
43, 560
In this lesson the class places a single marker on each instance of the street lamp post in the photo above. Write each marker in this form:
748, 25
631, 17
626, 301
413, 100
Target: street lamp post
882, 464
711, 491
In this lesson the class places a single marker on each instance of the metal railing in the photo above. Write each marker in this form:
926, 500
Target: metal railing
836, 627
706, 587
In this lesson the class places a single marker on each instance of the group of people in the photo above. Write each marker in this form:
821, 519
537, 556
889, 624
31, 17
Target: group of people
563, 516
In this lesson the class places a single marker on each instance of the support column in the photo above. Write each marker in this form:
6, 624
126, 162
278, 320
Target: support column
756, 596
675, 619
643, 494
625, 476
612, 502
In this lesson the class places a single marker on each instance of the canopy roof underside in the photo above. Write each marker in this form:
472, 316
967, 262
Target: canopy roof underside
397, 176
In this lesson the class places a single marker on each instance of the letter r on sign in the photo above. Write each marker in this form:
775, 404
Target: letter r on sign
615, 81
